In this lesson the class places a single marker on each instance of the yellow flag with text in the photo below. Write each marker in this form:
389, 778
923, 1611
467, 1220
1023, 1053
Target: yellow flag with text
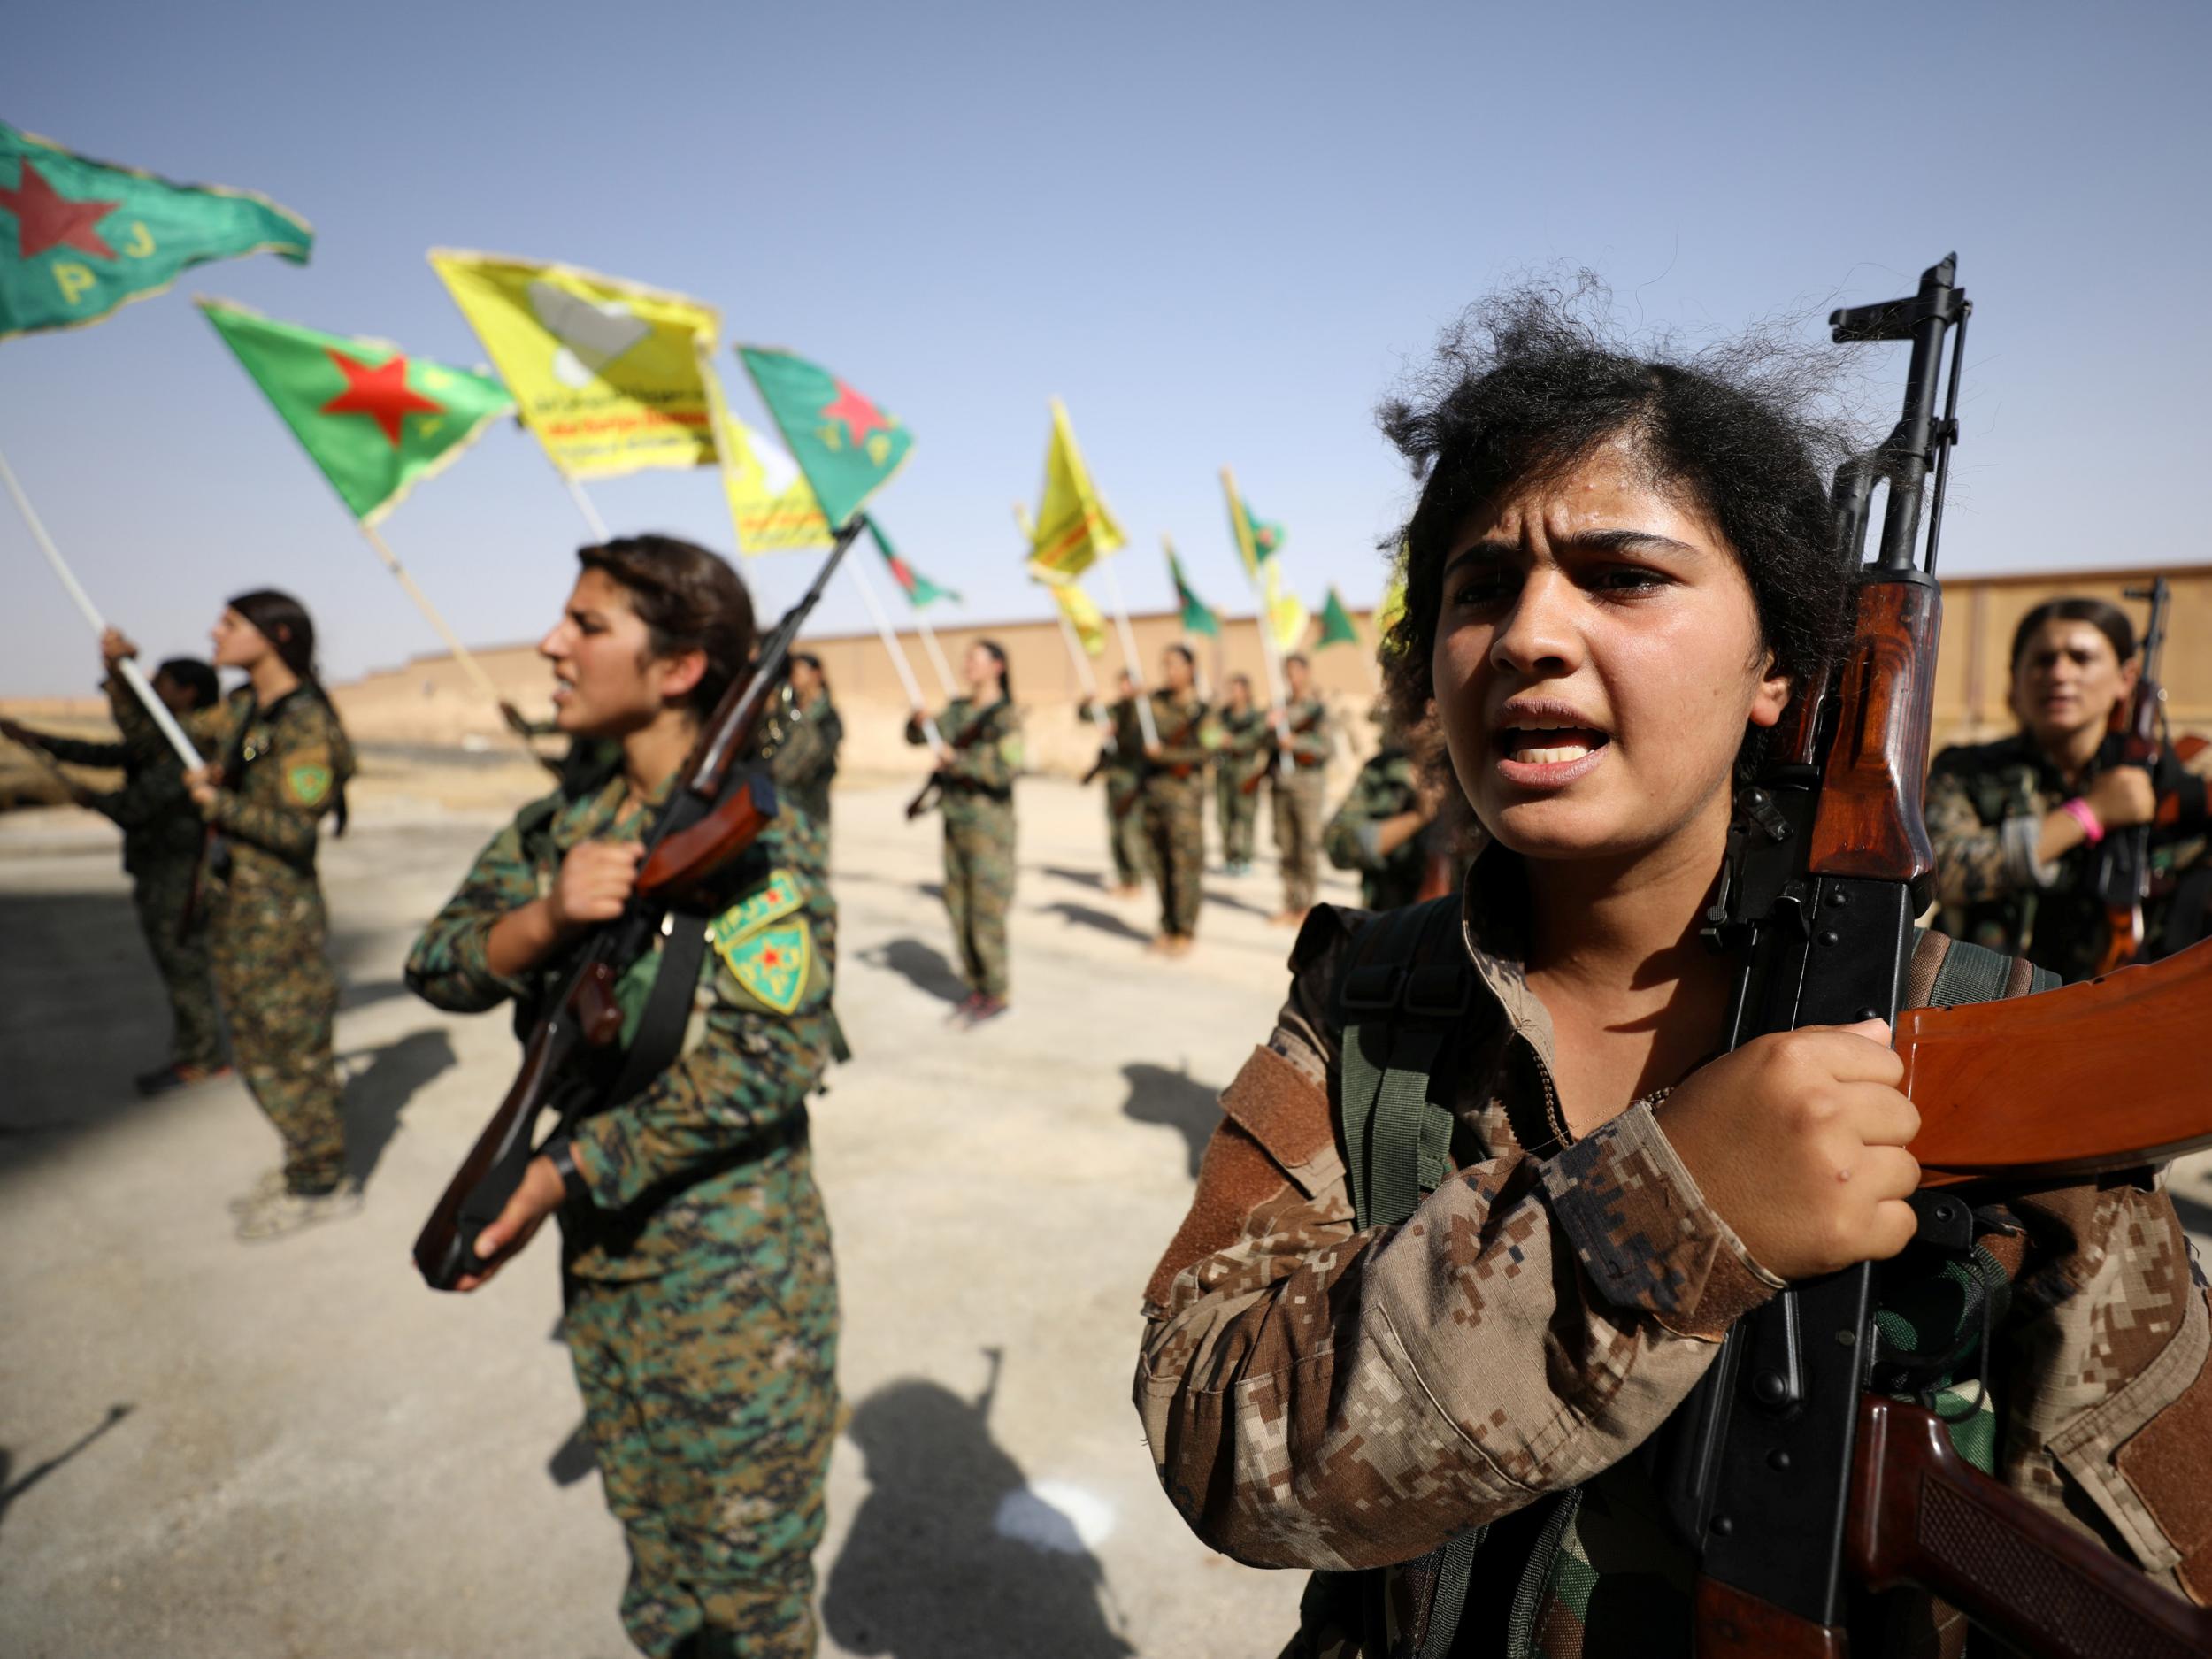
771, 505
609, 374
1073, 529
1286, 614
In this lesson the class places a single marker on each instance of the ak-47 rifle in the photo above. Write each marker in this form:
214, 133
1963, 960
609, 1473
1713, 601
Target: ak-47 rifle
2123, 861
719, 806
933, 786
1792, 1478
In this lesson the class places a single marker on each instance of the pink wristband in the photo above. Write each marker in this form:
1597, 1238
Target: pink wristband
2084, 815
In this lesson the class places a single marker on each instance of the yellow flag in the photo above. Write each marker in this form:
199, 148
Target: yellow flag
1286, 614
770, 503
610, 376
1073, 528
1083, 616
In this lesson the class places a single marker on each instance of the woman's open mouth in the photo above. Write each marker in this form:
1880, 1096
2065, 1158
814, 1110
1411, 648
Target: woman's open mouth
1543, 750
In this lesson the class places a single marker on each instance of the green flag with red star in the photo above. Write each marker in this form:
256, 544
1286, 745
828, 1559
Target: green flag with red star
846, 445
918, 589
79, 237
375, 420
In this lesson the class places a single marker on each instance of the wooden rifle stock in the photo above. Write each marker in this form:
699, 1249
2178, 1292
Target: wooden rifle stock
1921, 1515
1870, 823
681, 860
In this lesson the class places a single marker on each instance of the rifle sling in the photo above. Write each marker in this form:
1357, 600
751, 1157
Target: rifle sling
660, 1029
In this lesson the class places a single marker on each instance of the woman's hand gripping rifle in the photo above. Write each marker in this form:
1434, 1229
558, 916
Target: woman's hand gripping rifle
1793, 1479
717, 809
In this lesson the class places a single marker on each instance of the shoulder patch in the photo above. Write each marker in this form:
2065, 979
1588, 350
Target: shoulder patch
308, 781
771, 903
773, 962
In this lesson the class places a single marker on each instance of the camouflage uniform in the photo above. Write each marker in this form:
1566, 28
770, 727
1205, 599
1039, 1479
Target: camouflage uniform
1984, 806
976, 795
1122, 773
1298, 799
1238, 740
1386, 787
266, 930
700, 1289
1174, 802
801, 745
162, 834
1323, 1398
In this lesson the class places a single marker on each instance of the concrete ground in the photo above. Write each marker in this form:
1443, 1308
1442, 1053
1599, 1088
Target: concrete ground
294, 1451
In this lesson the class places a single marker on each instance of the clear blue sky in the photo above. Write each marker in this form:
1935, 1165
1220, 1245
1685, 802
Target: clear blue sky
1218, 231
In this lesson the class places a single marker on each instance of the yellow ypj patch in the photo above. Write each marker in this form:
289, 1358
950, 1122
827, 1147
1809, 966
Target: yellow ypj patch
773, 962
309, 784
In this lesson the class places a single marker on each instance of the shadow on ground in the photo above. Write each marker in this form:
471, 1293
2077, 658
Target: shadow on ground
380, 1090
1090, 879
1177, 1100
10, 1490
1230, 901
924, 967
1083, 916
950, 1554
573, 1458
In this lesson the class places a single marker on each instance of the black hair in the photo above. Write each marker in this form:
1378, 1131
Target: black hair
1238, 678
1005, 675
284, 622
689, 600
2106, 617
196, 677
1298, 657
1528, 383
1181, 651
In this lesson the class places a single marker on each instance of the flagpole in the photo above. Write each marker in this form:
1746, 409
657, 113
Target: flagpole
1129, 654
897, 656
461, 653
936, 654
585, 506
1083, 678
1264, 620
127, 667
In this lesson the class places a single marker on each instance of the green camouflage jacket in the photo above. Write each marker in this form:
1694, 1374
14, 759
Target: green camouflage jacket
1322, 1398
1386, 787
159, 821
716, 1143
1312, 736
986, 757
1239, 740
801, 745
1985, 805
290, 765
1185, 741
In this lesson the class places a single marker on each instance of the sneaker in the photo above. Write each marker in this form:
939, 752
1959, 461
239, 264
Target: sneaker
176, 1075
985, 1008
966, 1011
287, 1211
266, 1186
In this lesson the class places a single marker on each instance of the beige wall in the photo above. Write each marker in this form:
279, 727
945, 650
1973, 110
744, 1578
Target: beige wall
431, 701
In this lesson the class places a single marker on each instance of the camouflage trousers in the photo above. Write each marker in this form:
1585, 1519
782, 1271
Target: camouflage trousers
1124, 832
1298, 835
161, 889
264, 942
979, 889
1175, 828
1235, 815
710, 1394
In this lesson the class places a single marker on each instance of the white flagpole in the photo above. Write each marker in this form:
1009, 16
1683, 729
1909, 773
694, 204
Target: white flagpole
461, 653
133, 675
936, 654
585, 506
898, 656
1129, 654
1084, 676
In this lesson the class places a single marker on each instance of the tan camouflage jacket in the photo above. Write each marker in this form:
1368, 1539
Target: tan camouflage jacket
1322, 1399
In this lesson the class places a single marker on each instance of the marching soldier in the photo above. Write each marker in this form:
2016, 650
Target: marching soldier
1388, 829
1301, 729
162, 837
1120, 768
1175, 800
804, 735
699, 1289
281, 763
2015, 824
978, 757
1240, 737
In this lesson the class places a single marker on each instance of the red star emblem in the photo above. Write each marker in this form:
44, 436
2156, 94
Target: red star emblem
380, 393
860, 416
45, 219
